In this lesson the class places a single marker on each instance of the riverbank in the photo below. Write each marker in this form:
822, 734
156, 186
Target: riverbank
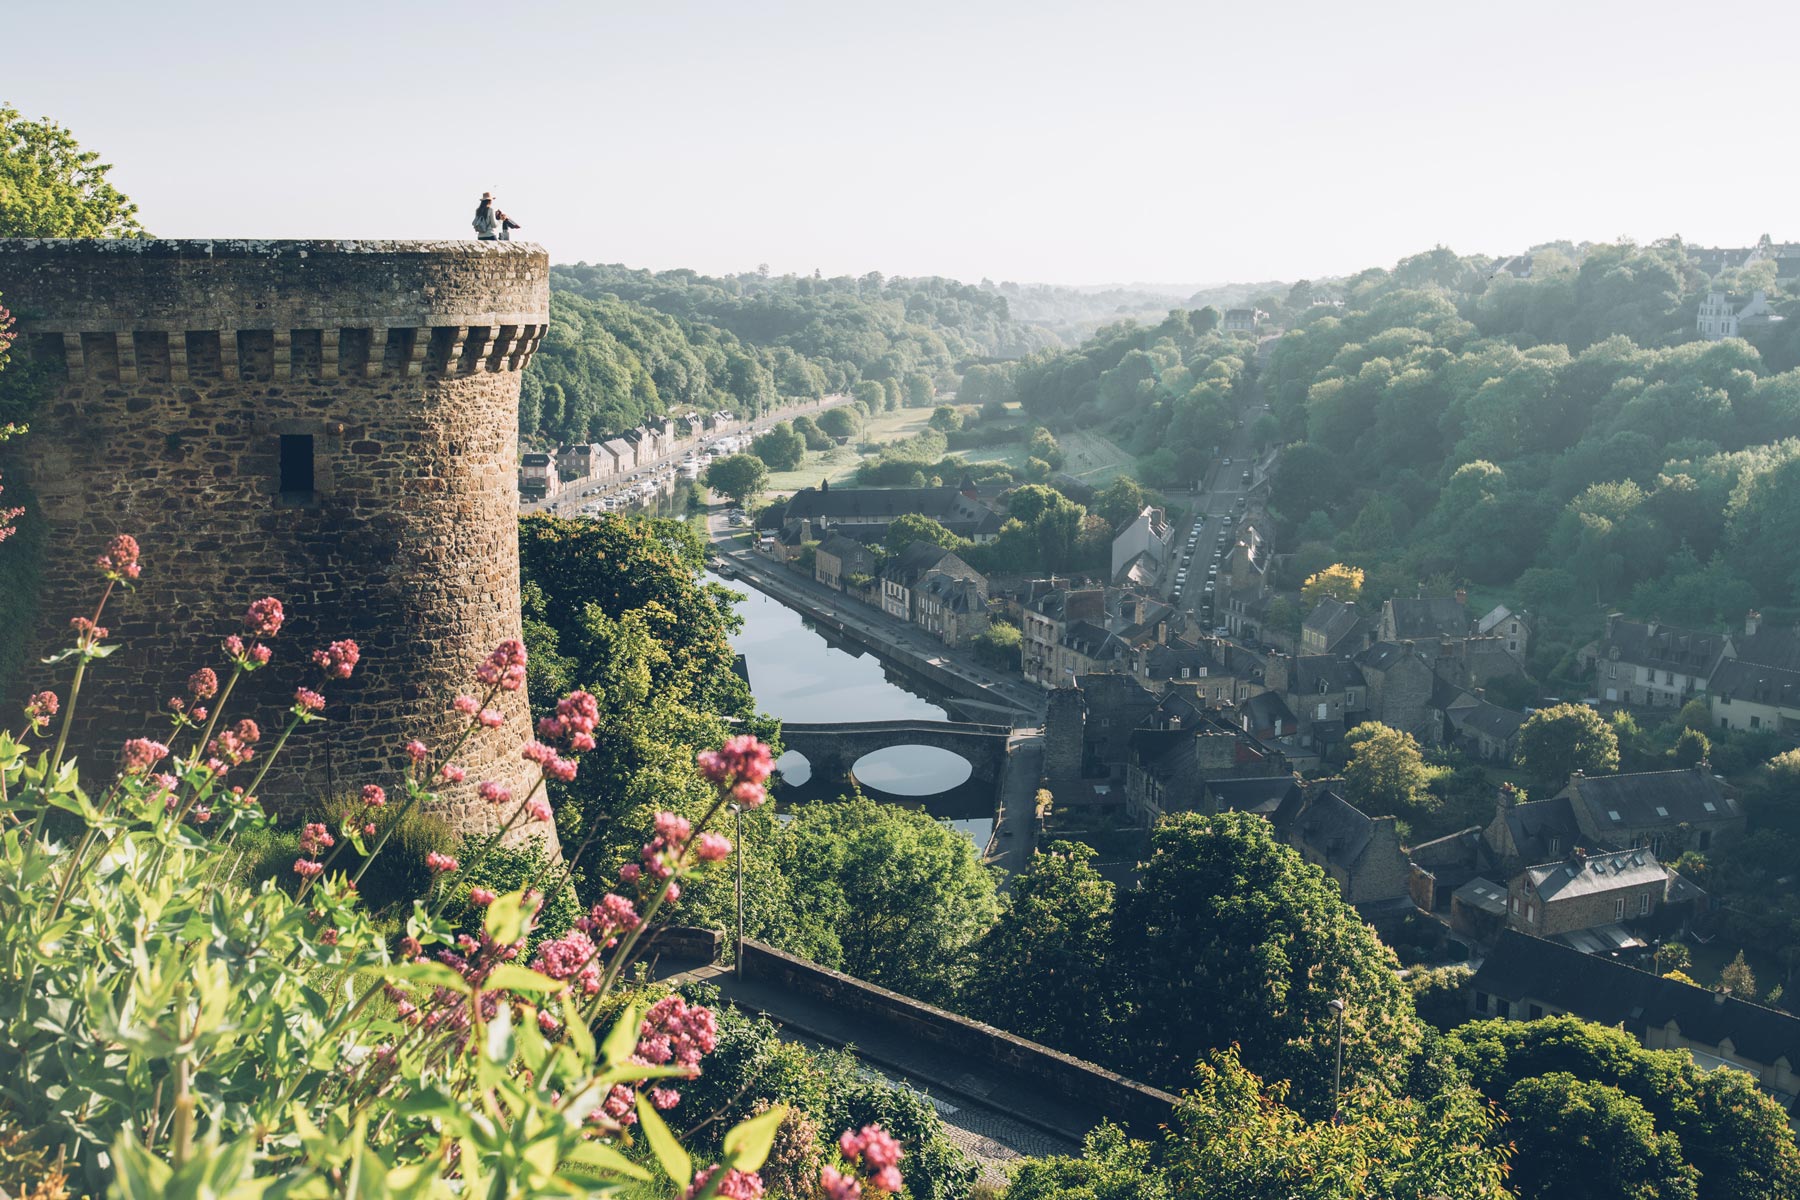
985, 694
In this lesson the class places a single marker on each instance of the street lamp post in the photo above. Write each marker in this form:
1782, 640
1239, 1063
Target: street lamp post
1336, 1005
738, 853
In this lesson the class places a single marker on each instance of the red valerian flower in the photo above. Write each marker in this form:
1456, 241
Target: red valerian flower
264, 617
120, 562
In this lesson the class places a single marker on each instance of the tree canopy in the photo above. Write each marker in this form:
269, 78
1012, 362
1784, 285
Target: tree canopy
51, 188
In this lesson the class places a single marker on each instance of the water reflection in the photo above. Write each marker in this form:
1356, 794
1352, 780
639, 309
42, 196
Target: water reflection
912, 770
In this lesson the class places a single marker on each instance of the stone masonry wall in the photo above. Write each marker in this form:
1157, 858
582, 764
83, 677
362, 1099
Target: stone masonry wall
180, 365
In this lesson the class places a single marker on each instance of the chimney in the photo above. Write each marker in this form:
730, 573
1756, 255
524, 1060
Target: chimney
1462, 595
1504, 798
1752, 622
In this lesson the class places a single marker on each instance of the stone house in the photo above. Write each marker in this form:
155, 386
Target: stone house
623, 454
1326, 693
1586, 891
1758, 685
1514, 629
1334, 627
1522, 835
1484, 730
1425, 619
1648, 663
1086, 648
1524, 978
1147, 540
1401, 690
1722, 315
901, 575
840, 558
1041, 625
1217, 671
580, 461
537, 477
1168, 768
1362, 853
952, 608
1266, 717
1115, 706
1667, 811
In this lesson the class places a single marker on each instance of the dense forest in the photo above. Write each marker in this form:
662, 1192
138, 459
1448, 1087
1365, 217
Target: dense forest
626, 345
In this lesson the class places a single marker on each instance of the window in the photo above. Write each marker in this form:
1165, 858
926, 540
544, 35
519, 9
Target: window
1503, 1008
1530, 913
1514, 901
1668, 677
1481, 1002
1536, 1011
296, 459
1724, 701
1656, 845
1619, 909
1706, 839
1756, 722
1643, 904
1555, 846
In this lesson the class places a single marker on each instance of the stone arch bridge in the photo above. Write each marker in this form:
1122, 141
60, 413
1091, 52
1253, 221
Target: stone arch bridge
832, 749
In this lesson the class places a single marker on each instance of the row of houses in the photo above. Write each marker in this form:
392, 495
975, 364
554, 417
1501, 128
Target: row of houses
542, 475
1750, 680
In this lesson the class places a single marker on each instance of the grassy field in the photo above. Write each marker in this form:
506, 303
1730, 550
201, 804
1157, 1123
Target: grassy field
1094, 458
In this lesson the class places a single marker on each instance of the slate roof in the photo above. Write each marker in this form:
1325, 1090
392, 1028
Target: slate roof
1264, 795
1769, 647
1609, 992
1087, 638
1334, 673
1664, 647
1265, 708
1382, 656
912, 562
1488, 718
1333, 620
1736, 679
1483, 894
1335, 828
844, 548
1166, 662
1596, 875
1534, 826
953, 592
1648, 798
1430, 617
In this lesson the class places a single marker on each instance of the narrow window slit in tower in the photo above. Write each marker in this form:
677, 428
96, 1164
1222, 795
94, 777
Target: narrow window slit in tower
296, 464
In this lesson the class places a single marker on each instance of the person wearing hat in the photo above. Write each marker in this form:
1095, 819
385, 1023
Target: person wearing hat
486, 227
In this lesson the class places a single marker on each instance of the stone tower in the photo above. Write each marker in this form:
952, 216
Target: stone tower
331, 423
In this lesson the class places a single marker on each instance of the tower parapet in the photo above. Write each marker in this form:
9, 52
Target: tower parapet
334, 423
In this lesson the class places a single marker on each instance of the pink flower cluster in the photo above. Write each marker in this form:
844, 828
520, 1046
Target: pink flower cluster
374, 795
87, 633
235, 746
672, 1031
264, 617
609, 918
741, 765
315, 838
494, 793
337, 660
40, 708
505, 667
737, 1185
138, 755
662, 854
203, 684
874, 1149
120, 562
306, 868
576, 715
572, 957
249, 657
553, 766
442, 863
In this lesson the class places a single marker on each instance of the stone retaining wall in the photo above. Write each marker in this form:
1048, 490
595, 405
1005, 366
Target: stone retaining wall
1102, 1093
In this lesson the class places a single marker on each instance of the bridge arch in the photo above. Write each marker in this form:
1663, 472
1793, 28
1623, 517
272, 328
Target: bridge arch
832, 749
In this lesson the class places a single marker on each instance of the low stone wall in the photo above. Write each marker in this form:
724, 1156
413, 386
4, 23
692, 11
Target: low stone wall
1080, 1084
684, 942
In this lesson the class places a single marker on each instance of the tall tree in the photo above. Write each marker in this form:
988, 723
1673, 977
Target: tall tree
1232, 937
1578, 1140
1386, 774
1556, 742
51, 188
740, 476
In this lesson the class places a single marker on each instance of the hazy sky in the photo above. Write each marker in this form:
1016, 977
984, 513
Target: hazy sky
1073, 143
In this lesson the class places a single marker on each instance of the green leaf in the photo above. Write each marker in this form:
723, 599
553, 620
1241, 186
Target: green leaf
500, 1043
580, 1036
622, 1041
747, 1145
515, 978
505, 920
604, 1157
675, 1162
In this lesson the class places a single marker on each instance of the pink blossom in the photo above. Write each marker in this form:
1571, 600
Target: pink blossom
873, 1142
40, 708
328, 937
368, 829
306, 868
672, 893
538, 809
713, 847
737, 1185
673, 829
886, 1180
374, 795
453, 773
140, 754
337, 660
748, 794
202, 814
203, 684
560, 769
86, 632
441, 862
121, 558
618, 1105
614, 914
468, 706
264, 617
481, 896
548, 1022
491, 718
259, 654
572, 957
308, 700
494, 793
315, 838
417, 750
664, 1098
836, 1186
676, 1032
234, 646
630, 872
743, 758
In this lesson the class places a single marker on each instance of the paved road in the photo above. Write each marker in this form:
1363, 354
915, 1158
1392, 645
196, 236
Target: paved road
1015, 825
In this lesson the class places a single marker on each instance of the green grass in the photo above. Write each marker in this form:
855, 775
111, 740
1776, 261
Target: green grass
1094, 458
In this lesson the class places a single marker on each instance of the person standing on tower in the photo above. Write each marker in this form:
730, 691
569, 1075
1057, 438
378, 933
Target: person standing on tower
485, 223
507, 225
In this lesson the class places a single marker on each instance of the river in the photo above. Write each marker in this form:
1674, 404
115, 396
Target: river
798, 675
